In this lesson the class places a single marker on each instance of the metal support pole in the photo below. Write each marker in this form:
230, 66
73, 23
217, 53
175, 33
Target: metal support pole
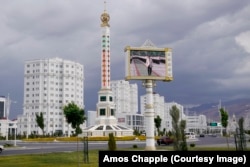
149, 116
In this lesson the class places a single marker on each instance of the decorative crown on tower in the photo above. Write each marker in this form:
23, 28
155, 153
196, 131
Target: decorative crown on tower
105, 18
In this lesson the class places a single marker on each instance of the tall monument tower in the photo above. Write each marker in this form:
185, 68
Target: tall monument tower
106, 121
105, 105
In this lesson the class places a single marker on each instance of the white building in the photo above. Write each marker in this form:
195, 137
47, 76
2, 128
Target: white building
126, 104
167, 121
158, 106
49, 85
7, 127
3, 127
247, 121
196, 123
125, 97
159, 102
91, 117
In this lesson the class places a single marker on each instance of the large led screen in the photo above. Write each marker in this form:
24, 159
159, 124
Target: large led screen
148, 63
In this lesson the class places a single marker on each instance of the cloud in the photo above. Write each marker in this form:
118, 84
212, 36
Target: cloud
243, 40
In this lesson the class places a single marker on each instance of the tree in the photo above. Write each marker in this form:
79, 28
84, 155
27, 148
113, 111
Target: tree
183, 144
157, 121
40, 121
112, 142
178, 130
75, 116
240, 132
224, 122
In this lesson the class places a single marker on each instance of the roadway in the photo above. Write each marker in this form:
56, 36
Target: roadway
49, 147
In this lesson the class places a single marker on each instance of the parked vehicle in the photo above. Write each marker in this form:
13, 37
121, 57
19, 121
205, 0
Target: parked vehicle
202, 135
1, 148
165, 140
190, 135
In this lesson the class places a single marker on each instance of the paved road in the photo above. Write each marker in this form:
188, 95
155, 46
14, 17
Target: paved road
39, 148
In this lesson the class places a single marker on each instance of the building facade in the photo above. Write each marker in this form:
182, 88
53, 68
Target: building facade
167, 121
158, 106
49, 85
126, 104
2, 107
125, 97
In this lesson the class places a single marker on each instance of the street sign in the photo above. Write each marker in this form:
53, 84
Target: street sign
213, 124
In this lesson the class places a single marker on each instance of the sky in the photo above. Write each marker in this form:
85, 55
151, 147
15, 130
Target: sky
210, 42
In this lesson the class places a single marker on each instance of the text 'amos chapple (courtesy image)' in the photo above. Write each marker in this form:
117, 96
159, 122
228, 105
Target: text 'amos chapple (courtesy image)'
163, 158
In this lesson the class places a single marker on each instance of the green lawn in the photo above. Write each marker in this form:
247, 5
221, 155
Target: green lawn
70, 159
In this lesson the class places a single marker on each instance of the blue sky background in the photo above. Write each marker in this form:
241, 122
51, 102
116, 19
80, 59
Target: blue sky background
210, 42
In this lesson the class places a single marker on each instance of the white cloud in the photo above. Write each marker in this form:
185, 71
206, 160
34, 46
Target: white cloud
243, 39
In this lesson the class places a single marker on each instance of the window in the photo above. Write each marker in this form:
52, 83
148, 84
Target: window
103, 98
110, 98
112, 112
102, 112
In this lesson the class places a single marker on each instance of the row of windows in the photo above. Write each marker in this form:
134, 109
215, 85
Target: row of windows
45, 101
52, 95
102, 112
36, 126
52, 77
52, 71
52, 64
52, 89
104, 98
53, 83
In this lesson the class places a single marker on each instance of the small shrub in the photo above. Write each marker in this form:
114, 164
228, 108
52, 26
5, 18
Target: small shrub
135, 146
8, 145
192, 145
112, 142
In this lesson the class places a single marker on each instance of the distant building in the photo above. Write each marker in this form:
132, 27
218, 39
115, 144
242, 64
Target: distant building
167, 121
2, 107
49, 85
158, 105
126, 104
91, 117
159, 102
247, 121
7, 127
125, 97
196, 123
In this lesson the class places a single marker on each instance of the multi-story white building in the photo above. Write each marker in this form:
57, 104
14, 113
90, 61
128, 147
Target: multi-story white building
7, 127
125, 97
126, 104
158, 106
196, 123
167, 121
49, 85
91, 117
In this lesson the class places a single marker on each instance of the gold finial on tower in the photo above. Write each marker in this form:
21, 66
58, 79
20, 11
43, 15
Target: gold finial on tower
105, 17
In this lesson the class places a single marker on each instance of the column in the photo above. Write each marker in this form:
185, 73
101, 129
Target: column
149, 116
